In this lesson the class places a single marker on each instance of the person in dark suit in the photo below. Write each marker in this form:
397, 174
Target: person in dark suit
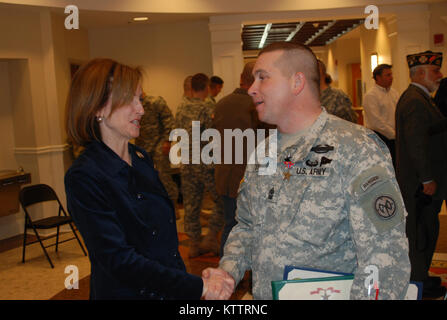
421, 165
116, 198
234, 111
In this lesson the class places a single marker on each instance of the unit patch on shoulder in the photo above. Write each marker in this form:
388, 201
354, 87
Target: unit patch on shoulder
385, 207
379, 197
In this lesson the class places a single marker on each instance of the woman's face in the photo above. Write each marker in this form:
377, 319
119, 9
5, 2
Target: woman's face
124, 122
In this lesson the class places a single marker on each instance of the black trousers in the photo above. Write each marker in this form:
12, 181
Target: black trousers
390, 143
422, 232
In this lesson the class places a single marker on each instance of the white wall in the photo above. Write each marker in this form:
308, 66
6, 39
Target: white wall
342, 53
375, 41
168, 53
34, 78
438, 24
7, 159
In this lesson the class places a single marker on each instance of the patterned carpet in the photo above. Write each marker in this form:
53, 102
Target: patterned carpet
36, 280
194, 266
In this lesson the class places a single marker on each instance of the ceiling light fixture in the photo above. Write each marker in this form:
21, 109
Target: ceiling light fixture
374, 60
264, 35
140, 18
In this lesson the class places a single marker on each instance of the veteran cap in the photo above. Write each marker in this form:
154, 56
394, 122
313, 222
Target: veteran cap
424, 58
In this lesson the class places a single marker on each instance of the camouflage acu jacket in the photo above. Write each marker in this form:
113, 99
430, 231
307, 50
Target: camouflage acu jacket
156, 124
194, 109
333, 203
338, 103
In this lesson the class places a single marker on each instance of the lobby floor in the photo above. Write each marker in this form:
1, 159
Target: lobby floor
35, 280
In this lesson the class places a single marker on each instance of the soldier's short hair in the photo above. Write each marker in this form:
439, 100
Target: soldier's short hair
297, 57
215, 80
379, 69
199, 82
91, 87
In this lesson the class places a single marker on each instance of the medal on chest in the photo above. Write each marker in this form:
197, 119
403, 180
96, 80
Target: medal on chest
288, 164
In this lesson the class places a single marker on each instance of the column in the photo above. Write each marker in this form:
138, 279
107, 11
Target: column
226, 48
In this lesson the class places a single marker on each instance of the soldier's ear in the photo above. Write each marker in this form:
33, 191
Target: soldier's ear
298, 82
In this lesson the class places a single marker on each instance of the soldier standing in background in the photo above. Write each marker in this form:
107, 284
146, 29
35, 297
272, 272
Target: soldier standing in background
198, 178
335, 101
156, 125
187, 90
216, 85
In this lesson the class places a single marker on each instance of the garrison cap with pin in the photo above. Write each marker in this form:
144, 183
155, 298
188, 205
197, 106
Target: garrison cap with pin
424, 58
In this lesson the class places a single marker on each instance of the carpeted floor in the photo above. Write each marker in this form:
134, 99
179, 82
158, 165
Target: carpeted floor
35, 280
194, 266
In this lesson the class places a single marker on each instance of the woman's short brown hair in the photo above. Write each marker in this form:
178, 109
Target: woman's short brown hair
91, 87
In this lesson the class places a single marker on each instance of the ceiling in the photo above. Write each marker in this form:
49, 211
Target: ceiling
311, 33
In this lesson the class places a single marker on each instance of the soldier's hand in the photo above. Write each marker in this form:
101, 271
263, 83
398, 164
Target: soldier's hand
217, 284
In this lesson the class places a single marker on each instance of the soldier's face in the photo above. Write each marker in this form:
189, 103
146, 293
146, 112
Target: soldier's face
271, 89
124, 122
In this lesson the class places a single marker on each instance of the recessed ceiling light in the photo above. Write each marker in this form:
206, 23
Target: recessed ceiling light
140, 19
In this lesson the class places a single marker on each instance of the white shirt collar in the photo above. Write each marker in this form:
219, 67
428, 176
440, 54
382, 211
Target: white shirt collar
386, 90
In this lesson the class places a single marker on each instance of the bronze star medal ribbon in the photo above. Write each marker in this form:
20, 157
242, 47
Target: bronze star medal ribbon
289, 164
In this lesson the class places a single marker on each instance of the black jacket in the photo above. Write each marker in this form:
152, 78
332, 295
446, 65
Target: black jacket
128, 224
421, 155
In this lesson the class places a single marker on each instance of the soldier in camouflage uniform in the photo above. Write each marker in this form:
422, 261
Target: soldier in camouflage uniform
216, 85
332, 201
187, 90
198, 178
156, 124
335, 101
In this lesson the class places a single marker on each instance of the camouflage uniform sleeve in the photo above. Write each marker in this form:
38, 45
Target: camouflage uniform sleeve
177, 118
377, 220
238, 247
348, 113
166, 118
206, 117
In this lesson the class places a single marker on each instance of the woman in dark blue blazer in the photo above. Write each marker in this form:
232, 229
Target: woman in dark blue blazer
115, 196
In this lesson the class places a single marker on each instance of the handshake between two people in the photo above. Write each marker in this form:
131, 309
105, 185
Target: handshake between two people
217, 284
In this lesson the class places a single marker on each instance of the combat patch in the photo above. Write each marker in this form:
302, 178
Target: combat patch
385, 207
380, 198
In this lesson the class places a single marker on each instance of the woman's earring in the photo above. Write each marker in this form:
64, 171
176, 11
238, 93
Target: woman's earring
99, 119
